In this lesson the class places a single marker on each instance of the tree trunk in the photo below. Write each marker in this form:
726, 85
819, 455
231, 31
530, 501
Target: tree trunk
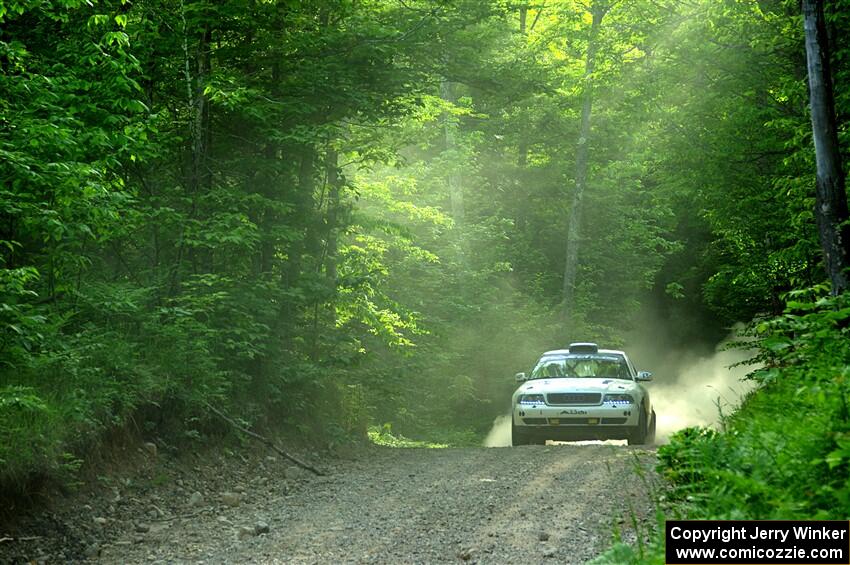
305, 206
574, 227
831, 197
522, 158
522, 150
334, 185
455, 187
199, 133
324, 309
299, 252
199, 177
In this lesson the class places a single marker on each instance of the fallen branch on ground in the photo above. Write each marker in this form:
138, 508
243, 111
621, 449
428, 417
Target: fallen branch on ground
28, 538
264, 440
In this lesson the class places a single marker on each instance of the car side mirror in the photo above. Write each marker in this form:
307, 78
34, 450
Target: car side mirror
521, 377
644, 376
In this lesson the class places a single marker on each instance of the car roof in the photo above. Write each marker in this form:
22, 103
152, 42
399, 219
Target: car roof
600, 352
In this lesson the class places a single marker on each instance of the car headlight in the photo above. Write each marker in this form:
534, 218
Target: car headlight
619, 398
530, 399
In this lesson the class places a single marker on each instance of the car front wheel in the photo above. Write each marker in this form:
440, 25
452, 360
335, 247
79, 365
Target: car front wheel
650, 435
521, 437
517, 437
639, 435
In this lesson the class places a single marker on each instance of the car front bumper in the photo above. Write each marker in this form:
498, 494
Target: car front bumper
605, 421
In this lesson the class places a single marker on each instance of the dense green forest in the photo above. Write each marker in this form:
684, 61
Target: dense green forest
325, 215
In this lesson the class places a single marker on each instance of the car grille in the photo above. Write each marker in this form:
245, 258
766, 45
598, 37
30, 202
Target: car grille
567, 398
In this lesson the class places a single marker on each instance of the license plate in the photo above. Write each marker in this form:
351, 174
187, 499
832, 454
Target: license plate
554, 421
593, 420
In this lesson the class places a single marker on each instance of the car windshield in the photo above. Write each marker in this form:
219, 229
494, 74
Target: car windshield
582, 366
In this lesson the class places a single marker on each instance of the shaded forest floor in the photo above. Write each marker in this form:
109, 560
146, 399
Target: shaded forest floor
376, 505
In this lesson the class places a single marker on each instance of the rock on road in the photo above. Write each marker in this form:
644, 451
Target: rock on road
531, 504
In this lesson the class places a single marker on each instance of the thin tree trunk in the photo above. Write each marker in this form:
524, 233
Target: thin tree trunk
454, 176
455, 186
574, 227
201, 141
302, 218
334, 185
522, 148
831, 197
196, 99
324, 311
268, 219
199, 177
522, 158
298, 252
201, 134
269, 182
306, 204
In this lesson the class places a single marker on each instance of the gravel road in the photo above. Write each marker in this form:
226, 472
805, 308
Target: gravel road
531, 504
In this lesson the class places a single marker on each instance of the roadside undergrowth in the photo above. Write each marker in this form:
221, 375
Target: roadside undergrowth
785, 453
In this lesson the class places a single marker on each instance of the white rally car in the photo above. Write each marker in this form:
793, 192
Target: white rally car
583, 393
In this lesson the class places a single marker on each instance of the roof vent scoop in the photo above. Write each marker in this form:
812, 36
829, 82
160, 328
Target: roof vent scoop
584, 348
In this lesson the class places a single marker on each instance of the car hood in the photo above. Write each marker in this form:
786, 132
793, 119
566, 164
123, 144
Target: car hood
576, 385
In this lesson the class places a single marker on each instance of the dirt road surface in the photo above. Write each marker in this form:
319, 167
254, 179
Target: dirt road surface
531, 504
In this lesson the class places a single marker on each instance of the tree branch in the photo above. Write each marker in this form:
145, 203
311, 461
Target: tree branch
536, 17
264, 440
